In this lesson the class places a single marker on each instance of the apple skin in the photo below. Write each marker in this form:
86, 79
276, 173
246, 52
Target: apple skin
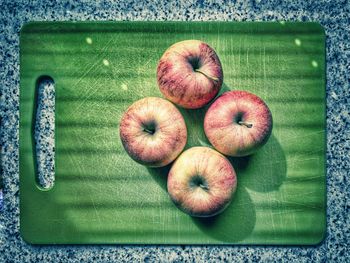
153, 132
201, 182
190, 74
238, 123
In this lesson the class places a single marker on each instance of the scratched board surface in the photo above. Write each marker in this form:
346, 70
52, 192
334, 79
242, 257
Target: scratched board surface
101, 195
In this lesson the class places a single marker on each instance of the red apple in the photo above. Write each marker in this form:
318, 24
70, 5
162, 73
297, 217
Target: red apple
238, 123
201, 182
153, 131
189, 74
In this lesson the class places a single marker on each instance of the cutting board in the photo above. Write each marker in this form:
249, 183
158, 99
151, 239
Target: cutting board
101, 196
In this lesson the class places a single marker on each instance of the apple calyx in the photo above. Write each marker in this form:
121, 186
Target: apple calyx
248, 125
207, 75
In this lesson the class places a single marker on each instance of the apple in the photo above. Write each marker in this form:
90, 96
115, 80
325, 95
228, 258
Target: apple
201, 182
153, 131
189, 74
238, 123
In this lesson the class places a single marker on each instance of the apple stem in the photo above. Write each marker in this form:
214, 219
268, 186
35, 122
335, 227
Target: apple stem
148, 131
248, 125
203, 187
207, 75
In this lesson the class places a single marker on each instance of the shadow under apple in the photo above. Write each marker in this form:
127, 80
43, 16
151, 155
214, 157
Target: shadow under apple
160, 175
235, 223
263, 171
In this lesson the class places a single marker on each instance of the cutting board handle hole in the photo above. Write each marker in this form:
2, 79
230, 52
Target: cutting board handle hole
44, 132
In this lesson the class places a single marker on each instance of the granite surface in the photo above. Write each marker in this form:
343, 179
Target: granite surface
333, 15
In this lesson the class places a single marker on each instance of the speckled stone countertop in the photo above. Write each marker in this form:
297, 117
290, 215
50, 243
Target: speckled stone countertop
333, 15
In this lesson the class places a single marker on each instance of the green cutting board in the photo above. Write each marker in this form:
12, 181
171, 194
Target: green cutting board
101, 195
